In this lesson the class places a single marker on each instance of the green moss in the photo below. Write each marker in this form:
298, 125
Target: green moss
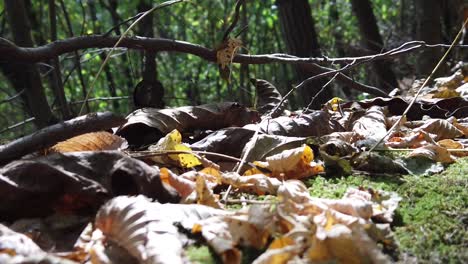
432, 218
200, 254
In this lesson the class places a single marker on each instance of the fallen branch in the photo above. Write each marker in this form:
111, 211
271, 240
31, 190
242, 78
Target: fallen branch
51, 135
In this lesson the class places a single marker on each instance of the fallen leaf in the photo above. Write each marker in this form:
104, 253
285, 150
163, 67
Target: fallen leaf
91, 142
433, 152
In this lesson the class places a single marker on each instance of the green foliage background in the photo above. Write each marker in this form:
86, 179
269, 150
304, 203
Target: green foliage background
188, 80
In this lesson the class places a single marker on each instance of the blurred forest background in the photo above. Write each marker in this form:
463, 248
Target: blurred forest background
37, 94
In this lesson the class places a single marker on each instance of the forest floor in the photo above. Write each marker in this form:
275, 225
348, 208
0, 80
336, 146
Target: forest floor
431, 223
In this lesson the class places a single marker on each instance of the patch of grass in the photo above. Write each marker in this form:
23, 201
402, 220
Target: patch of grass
433, 212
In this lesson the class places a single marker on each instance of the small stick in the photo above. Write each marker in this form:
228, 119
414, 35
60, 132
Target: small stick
51, 135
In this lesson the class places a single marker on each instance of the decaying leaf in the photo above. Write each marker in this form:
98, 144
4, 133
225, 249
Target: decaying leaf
414, 140
91, 142
374, 162
205, 194
146, 230
225, 53
268, 98
258, 183
148, 125
224, 233
433, 152
268, 145
441, 128
290, 164
75, 181
371, 126
229, 141
451, 82
316, 123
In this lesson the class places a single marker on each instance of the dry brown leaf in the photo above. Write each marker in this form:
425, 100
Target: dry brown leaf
293, 163
258, 183
316, 123
344, 245
225, 53
414, 140
268, 98
281, 250
433, 152
461, 126
94, 141
147, 125
451, 82
146, 230
205, 194
371, 126
441, 128
224, 233
182, 185
453, 145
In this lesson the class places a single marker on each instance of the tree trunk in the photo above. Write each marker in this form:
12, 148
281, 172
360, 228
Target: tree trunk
429, 29
57, 84
103, 55
26, 76
372, 41
129, 79
301, 40
77, 62
149, 88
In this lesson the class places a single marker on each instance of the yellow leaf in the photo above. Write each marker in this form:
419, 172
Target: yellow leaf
173, 141
186, 160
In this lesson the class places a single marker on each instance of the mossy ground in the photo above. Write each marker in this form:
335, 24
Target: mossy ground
431, 223
432, 219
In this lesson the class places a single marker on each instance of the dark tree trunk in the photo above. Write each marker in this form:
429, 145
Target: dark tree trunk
301, 40
103, 55
149, 89
57, 84
112, 8
26, 76
429, 29
77, 62
372, 41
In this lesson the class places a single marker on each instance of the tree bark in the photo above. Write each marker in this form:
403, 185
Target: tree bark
26, 76
301, 40
372, 40
429, 29
57, 85
103, 55
150, 91
112, 8
77, 62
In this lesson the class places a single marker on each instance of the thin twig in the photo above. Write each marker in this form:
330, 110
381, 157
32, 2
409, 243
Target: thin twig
110, 98
420, 88
152, 153
235, 20
11, 98
240, 201
24, 122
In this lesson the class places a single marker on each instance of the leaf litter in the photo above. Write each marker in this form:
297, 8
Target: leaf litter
149, 202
